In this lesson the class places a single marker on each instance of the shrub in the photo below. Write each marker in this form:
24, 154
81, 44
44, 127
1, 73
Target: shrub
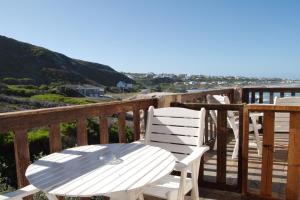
19, 91
10, 80
61, 98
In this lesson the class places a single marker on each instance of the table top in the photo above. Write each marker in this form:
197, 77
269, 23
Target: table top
86, 171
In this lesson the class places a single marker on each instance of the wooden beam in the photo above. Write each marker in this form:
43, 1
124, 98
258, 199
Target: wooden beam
221, 146
104, 134
240, 154
245, 150
54, 137
136, 124
267, 154
22, 156
81, 125
121, 127
293, 175
43, 117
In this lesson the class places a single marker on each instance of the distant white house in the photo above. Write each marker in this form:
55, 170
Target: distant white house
124, 86
88, 90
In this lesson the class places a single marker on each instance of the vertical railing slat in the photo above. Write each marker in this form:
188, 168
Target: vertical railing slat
121, 127
104, 135
268, 147
245, 150
293, 94
253, 97
22, 155
240, 157
136, 124
54, 137
221, 146
261, 96
81, 126
293, 173
271, 98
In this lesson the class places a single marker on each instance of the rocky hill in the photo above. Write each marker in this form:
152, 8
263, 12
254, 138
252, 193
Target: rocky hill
22, 60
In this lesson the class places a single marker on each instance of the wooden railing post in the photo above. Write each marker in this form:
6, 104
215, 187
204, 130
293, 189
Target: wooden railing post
54, 137
221, 146
104, 134
245, 150
268, 148
136, 124
22, 155
121, 127
81, 126
293, 173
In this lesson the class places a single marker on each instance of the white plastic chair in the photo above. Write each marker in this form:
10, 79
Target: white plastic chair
233, 123
180, 131
282, 120
20, 193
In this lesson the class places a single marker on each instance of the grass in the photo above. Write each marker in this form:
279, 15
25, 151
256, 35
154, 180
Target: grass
20, 91
33, 135
60, 98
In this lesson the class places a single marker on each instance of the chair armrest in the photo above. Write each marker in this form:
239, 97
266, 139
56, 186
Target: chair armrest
20, 193
187, 161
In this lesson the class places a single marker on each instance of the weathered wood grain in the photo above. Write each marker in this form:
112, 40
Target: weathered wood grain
293, 177
267, 154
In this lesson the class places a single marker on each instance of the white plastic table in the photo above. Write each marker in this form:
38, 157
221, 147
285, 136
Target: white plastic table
86, 171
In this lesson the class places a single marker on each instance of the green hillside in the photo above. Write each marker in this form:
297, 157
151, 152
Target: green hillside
22, 60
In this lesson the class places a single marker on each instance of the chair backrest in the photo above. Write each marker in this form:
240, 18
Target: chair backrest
282, 120
219, 99
178, 130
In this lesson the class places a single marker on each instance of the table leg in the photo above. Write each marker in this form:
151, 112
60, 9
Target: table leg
51, 196
131, 195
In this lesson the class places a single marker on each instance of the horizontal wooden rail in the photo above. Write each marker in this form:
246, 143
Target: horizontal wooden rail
42, 117
251, 92
197, 97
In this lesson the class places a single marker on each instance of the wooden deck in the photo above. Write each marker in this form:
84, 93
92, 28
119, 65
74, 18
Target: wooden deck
279, 171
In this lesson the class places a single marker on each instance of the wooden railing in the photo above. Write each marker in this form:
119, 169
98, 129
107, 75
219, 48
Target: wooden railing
199, 97
257, 94
221, 131
20, 122
293, 171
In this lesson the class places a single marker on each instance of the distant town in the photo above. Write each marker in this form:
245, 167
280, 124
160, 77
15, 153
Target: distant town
187, 83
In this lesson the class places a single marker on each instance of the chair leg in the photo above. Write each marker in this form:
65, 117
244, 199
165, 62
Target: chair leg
195, 190
141, 197
256, 136
235, 152
215, 145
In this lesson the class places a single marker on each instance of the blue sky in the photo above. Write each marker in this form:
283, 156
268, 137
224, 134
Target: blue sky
212, 37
